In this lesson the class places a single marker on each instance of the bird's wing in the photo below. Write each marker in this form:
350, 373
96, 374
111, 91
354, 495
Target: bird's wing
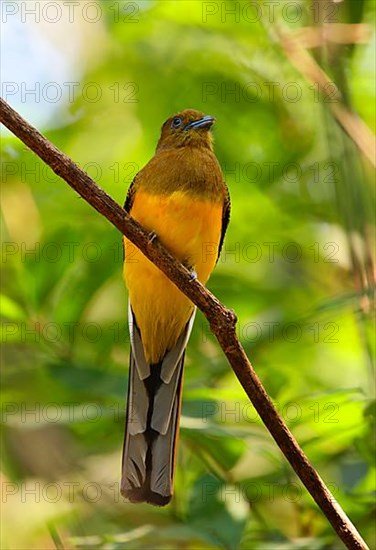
225, 220
130, 195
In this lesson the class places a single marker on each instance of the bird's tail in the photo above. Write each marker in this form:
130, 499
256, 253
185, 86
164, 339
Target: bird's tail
152, 422
151, 436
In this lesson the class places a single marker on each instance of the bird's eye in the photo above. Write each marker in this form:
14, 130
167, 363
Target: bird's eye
177, 122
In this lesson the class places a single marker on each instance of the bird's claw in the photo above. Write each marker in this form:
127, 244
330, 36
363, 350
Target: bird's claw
193, 275
152, 236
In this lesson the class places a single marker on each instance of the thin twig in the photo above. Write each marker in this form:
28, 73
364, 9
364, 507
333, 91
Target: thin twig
354, 126
222, 320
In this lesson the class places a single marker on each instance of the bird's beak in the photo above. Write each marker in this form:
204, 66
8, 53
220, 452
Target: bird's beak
205, 122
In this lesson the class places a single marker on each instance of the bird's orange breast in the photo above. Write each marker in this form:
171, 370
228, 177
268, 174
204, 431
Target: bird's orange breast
190, 228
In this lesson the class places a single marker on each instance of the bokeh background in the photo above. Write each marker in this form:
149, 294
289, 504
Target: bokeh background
99, 78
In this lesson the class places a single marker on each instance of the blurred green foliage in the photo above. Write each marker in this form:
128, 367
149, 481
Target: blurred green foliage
295, 268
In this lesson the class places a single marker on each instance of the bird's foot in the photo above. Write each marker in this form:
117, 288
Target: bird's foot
152, 236
193, 275
192, 272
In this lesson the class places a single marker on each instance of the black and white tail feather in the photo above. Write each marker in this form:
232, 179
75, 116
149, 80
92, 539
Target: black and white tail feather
152, 422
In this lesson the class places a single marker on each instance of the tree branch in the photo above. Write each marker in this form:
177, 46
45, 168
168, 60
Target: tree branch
222, 320
351, 123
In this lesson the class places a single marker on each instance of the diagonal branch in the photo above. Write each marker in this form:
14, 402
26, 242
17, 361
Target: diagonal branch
222, 320
351, 123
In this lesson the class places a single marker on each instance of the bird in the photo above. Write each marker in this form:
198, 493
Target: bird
181, 198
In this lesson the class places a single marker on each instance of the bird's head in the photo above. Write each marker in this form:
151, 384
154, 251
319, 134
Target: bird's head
187, 128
